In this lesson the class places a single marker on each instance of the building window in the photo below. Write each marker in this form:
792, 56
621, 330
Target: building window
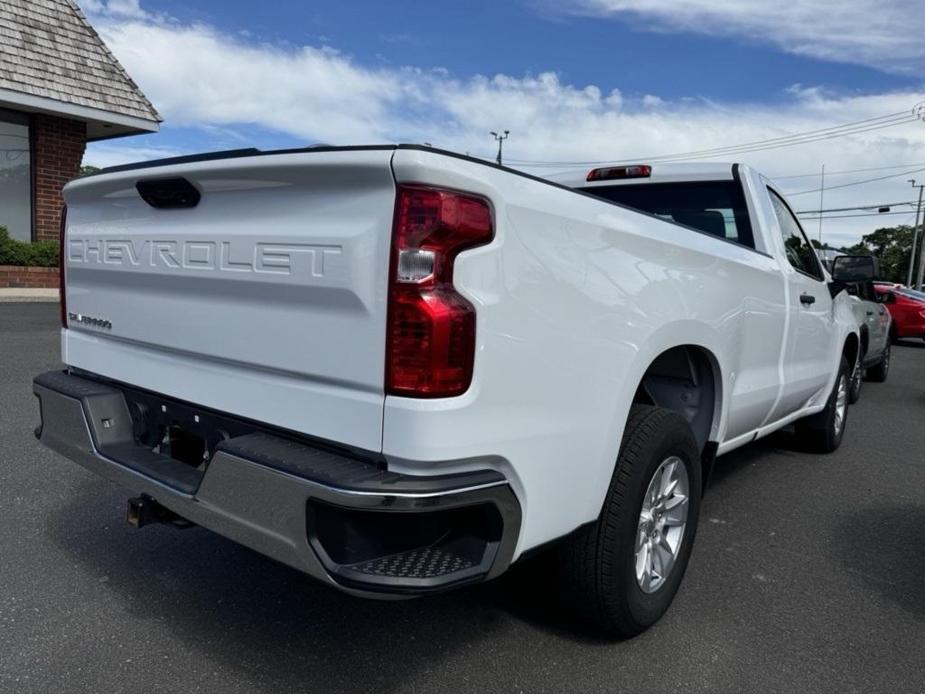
15, 175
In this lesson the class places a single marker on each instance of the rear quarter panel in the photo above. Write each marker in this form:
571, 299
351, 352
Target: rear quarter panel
575, 298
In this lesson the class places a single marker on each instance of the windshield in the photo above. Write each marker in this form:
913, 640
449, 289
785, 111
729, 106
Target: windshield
911, 293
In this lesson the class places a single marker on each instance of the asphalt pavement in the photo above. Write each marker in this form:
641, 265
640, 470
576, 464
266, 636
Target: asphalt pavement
808, 575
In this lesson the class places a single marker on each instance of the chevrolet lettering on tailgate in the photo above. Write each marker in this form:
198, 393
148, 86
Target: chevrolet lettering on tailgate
221, 256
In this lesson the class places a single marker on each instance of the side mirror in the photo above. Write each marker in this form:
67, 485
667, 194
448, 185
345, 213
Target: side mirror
889, 298
854, 268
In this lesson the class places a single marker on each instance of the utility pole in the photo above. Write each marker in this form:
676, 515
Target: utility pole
919, 112
500, 139
918, 279
915, 236
821, 203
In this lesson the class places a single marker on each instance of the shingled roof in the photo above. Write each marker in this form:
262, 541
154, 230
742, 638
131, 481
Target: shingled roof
49, 53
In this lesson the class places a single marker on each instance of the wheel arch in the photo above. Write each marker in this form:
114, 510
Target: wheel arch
687, 379
850, 348
864, 340
705, 347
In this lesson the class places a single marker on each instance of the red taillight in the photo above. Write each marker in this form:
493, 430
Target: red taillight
430, 342
618, 172
62, 257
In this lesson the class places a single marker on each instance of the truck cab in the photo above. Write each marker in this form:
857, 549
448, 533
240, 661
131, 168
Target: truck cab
738, 205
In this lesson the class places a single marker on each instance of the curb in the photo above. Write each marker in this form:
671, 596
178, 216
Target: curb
12, 296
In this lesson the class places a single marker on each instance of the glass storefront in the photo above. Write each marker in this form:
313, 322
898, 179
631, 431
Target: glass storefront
15, 176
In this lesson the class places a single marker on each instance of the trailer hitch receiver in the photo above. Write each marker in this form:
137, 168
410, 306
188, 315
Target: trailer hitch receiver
143, 510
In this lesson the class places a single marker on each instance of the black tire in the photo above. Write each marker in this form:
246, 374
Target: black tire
597, 564
819, 432
857, 379
879, 371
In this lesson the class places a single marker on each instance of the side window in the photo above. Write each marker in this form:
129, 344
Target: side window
800, 251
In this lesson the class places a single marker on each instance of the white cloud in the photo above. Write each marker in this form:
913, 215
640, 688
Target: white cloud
219, 83
194, 75
119, 151
115, 8
885, 34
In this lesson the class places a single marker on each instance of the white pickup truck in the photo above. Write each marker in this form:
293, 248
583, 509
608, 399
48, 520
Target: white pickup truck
400, 370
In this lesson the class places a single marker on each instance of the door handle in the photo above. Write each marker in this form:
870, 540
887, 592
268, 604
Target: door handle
807, 299
870, 313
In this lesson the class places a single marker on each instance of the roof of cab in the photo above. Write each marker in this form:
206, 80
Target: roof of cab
661, 173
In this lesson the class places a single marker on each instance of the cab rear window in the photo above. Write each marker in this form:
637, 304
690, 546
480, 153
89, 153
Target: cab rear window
717, 208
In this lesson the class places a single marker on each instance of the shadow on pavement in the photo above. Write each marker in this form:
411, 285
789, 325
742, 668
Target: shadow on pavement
780, 443
907, 342
884, 546
269, 621
278, 626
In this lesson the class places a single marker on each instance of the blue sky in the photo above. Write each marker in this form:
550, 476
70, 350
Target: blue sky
520, 36
571, 79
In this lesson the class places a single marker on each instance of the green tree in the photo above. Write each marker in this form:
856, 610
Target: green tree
893, 246
859, 248
87, 169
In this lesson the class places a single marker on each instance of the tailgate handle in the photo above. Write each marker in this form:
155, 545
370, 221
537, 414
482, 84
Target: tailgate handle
169, 193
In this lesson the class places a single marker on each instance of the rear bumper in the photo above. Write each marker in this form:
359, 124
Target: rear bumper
341, 519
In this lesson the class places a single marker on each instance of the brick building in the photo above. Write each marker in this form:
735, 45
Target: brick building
60, 87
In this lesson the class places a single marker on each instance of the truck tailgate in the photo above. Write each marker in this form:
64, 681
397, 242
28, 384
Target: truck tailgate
267, 299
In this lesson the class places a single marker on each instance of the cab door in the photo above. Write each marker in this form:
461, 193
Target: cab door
883, 322
876, 318
807, 358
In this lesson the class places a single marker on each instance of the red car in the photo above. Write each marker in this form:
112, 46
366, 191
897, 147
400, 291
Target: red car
907, 306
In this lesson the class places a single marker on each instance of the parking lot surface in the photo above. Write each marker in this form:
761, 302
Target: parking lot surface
808, 575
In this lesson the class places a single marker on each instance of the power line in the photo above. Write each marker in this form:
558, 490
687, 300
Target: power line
848, 216
854, 127
884, 121
789, 143
855, 183
847, 171
858, 207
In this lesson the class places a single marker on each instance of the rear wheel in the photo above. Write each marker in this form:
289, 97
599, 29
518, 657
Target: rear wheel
857, 378
823, 432
622, 571
881, 369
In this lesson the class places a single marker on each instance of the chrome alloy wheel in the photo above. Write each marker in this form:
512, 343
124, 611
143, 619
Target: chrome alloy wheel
841, 403
661, 524
857, 374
